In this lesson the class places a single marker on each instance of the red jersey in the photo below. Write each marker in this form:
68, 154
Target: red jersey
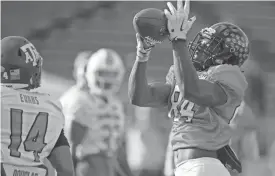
206, 127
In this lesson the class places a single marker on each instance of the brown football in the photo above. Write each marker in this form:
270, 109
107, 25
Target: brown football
151, 23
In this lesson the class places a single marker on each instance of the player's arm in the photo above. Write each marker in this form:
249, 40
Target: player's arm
140, 92
61, 158
143, 94
198, 91
77, 133
78, 128
244, 121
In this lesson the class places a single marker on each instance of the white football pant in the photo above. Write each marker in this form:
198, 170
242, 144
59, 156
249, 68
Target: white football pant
201, 167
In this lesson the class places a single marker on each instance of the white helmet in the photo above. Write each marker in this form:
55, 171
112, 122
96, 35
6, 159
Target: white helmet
80, 64
105, 71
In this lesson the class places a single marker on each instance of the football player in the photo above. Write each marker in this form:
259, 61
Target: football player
79, 70
96, 114
81, 83
203, 90
31, 123
244, 140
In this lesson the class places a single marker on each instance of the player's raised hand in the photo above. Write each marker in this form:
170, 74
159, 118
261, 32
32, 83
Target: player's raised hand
178, 21
143, 48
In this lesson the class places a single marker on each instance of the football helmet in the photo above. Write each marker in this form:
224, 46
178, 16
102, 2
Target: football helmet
222, 43
80, 65
105, 71
21, 64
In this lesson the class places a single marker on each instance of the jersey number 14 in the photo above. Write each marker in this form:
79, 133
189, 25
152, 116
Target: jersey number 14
34, 141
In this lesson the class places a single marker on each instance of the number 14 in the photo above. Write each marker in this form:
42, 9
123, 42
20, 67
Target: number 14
35, 140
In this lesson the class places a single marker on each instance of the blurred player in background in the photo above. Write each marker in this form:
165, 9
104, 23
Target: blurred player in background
244, 141
79, 70
95, 114
202, 92
154, 134
169, 164
31, 123
81, 84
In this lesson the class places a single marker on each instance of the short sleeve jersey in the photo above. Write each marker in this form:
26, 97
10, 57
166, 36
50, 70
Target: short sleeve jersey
31, 124
206, 127
102, 115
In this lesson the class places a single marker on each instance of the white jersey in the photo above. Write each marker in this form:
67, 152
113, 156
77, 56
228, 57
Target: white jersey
103, 117
30, 126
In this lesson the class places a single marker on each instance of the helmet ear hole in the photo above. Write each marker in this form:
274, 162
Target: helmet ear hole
232, 60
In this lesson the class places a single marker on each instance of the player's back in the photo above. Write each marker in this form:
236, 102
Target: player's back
30, 126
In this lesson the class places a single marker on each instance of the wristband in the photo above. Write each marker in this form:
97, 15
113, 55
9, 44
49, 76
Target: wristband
142, 58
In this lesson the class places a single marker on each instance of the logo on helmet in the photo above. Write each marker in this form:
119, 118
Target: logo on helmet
206, 32
15, 74
109, 61
31, 54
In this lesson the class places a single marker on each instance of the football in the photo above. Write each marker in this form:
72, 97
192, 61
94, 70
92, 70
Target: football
151, 24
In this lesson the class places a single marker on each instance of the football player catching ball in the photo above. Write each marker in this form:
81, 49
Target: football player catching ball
203, 89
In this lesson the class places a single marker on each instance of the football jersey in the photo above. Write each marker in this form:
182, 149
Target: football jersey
30, 126
103, 117
206, 127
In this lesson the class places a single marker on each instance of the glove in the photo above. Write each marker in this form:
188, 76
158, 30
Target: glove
143, 49
178, 23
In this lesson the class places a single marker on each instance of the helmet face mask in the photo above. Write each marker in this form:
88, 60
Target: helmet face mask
105, 71
107, 80
203, 48
222, 43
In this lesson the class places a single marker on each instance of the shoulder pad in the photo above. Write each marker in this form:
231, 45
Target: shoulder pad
57, 104
72, 98
41, 93
5, 90
229, 75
